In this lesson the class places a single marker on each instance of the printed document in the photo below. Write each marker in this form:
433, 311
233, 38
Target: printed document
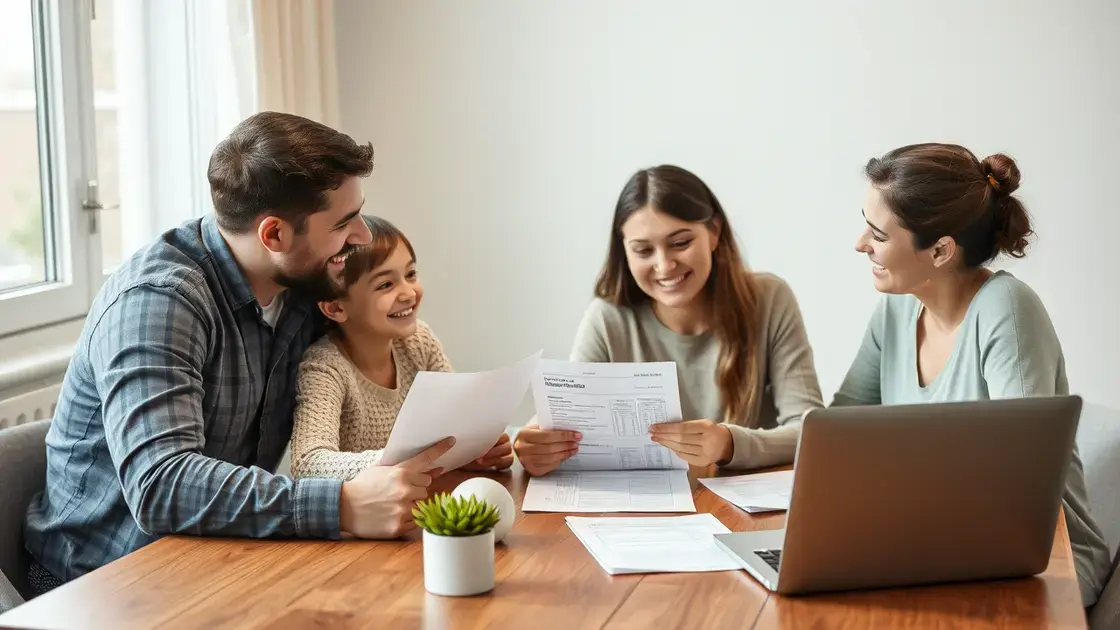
612, 405
654, 544
610, 491
759, 492
618, 468
474, 407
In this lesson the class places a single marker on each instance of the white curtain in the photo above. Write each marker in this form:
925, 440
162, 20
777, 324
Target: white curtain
188, 71
185, 76
296, 65
223, 80
234, 63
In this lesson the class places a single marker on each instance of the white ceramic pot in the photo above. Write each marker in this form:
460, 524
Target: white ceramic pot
458, 565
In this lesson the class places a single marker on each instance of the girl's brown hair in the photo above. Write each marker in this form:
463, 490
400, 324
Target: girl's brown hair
731, 290
366, 258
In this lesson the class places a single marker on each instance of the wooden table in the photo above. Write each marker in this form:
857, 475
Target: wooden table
544, 579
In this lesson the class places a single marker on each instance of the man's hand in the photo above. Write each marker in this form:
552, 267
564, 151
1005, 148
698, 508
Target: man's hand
541, 451
500, 456
698, 442
378, 502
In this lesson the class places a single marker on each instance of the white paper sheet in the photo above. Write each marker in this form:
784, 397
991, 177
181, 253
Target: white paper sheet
475, 407
654, 544
610, 491
612, 405
759, 492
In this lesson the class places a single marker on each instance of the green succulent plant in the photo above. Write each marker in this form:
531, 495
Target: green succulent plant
446, 515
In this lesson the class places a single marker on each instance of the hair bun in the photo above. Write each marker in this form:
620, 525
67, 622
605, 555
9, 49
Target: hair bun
1012, 225
1003, 172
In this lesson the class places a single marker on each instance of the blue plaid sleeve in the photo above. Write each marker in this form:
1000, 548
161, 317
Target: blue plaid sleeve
147, 353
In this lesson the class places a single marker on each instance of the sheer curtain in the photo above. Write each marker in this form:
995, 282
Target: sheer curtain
191, 70
296, 66
186, 75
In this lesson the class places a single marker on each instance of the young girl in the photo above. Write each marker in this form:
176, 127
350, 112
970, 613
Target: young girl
674, 288
948, 328
353, 381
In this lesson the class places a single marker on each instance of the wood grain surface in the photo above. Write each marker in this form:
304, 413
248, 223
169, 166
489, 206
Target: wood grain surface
544, 578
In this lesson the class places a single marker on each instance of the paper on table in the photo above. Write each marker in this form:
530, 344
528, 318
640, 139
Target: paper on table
654, 544
630, 491
759, 492
475, 407
612, 405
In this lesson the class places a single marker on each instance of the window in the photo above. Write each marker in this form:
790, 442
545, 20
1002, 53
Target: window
23, 260
91, 89
46, 251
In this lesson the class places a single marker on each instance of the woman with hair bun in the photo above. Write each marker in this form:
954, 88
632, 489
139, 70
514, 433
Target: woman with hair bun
949, 328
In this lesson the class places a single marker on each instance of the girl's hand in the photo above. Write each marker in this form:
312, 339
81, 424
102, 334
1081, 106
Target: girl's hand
698, 442
541, 451
499, 457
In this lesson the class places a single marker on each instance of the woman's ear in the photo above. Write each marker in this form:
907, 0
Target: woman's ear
944, 251
333, 311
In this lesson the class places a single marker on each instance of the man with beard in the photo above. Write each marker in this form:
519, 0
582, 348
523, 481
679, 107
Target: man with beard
178, 400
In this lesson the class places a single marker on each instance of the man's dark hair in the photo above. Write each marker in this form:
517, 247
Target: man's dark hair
283, 165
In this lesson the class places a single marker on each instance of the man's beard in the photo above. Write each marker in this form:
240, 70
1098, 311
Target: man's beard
316, 284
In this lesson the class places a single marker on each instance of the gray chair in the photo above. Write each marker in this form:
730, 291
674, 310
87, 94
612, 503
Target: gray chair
1098, 441
9, 596
23, 473
285, 465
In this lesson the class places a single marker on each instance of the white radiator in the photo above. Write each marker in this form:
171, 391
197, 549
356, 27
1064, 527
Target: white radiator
28, 407
29, 386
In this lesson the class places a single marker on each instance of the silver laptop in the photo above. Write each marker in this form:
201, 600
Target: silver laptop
930, 493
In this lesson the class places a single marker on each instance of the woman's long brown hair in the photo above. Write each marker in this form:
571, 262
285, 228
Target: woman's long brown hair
731, 290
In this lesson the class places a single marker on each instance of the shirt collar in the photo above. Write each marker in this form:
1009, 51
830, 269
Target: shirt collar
233, 280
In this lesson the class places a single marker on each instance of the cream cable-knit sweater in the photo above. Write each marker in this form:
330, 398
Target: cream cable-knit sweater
342, 419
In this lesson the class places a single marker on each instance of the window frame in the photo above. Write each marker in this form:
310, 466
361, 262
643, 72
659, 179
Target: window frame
65, 123
176, 112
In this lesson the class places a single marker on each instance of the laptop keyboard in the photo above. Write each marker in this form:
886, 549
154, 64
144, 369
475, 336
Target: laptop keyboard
772, 557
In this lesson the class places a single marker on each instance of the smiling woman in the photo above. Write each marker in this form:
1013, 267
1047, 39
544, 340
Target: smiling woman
927, 202
675, 288
672, 240
950, 329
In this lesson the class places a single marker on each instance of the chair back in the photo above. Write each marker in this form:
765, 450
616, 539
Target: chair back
1098, 441
23, 474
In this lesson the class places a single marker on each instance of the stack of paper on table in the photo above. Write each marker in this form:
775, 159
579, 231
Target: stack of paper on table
611, 491
760, 492
618, 467
652, 544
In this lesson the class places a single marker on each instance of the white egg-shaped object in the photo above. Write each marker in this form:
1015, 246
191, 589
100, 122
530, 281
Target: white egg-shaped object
486, 489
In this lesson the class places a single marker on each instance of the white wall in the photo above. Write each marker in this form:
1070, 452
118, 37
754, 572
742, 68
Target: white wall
505, 129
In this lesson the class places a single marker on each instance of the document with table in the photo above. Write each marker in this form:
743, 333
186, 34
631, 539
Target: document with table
610, 491
654, 544
474, 407
618, 467
758, 492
